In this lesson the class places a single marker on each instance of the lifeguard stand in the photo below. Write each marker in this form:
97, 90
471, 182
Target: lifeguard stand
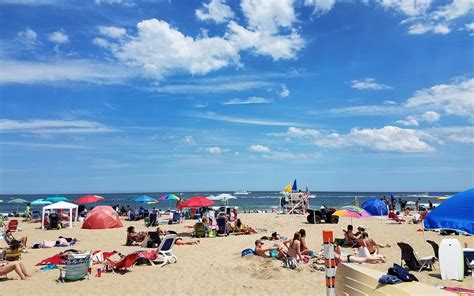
295, 202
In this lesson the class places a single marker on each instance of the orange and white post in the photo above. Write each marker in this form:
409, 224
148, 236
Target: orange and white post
329, 262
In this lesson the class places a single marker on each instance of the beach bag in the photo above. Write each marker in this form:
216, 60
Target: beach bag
290, 263
401, 273
247, 252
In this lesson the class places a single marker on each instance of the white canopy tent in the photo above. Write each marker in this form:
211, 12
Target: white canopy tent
62, 205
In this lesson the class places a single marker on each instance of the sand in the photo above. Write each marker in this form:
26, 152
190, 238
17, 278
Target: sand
215, 265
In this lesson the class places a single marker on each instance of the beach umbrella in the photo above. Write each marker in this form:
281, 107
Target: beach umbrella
352, 213
169, 198
454, 214
54, 199
143, 199
40, 202
18, 201
86, 199
197, 202
375, 207
362, 213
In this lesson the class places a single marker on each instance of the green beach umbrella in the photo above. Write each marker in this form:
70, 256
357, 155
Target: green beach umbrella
40, 202
18, 201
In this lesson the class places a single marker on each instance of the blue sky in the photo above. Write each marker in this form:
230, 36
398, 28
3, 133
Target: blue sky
123, 96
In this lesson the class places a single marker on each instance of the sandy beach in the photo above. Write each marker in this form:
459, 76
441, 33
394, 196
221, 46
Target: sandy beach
215, 265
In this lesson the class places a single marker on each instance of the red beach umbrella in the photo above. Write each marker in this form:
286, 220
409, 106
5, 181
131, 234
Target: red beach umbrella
89, 199
197, 202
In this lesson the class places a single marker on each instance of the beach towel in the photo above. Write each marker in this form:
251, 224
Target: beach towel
389, 279
459, 291
248, 251
401, 273
55, 260
65, 245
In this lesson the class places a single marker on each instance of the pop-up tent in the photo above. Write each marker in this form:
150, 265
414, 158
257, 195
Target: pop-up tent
455, 213
375, 207
62, 205
102, 217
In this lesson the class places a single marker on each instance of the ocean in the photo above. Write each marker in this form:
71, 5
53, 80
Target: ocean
258, 200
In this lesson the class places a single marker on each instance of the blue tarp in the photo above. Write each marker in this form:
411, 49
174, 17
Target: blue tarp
455, 213
375, 207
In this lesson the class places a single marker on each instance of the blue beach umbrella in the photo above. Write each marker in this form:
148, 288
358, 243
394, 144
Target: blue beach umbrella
40, 202
143, 199
54, 199
375, 207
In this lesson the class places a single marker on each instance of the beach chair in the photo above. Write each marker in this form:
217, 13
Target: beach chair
435, 248
222, 226
76, 268
412, 261
36, 216
176, 217
164, 253
12, 225
199, 230
123, 264
53, 221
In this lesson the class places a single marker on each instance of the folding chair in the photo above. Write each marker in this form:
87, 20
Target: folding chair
412, 261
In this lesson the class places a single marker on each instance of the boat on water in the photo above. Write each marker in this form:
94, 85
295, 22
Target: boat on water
242, 192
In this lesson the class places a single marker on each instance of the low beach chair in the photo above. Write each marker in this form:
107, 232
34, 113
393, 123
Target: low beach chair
123, 264
222, 226
12, 225
412, 261
435, 248
199, 230
164, 253
76, 268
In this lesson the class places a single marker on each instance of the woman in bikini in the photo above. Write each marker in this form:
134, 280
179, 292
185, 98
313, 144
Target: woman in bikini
10, 239
371, 245
134, 237
353, 259
294, 246
304, 248
17, 266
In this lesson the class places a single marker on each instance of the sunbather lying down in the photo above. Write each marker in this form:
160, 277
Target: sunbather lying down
239, 227
355, 259
17, 266
262, 251
60, 241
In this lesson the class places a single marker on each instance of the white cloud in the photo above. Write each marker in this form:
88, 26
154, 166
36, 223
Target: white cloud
430, 116
320, 6
409, 121
159, 49
215, 150
249, 100
112, 32
44, 145
460, 134
469, 27
386, 139
26, 72
456, 9
266, 42
240, 120
285, 92
364, 110
268, 15
302, 156
39, 126
422, 28
101, 42
59, 37
455, 98
368, 83
215, 10
28, 38
407, 7
189, 140
259, 148
389, 102
211, 86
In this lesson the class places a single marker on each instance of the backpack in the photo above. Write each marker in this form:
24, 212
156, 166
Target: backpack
290, 262
401, 273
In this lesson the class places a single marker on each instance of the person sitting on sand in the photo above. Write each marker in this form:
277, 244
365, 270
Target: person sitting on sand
353, 259
349, 237
261, 251
294, 247
241, 228
17, 266
392, 215
10, 239
371, 245
134, 237
303, 247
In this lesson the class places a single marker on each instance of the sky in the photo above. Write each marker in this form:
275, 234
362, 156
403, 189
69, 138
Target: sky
140, 96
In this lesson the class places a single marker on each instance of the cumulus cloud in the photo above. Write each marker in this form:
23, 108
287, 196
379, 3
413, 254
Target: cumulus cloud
459, 134
409, 121
285, 92
53, 126
407, 7
259, 148
455, 98
112, 32
320, 6
215, 150
28, 38
386, 139
249, 100
189, 140
216, 11
422, 28
412, 120
59, 37
368, 83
